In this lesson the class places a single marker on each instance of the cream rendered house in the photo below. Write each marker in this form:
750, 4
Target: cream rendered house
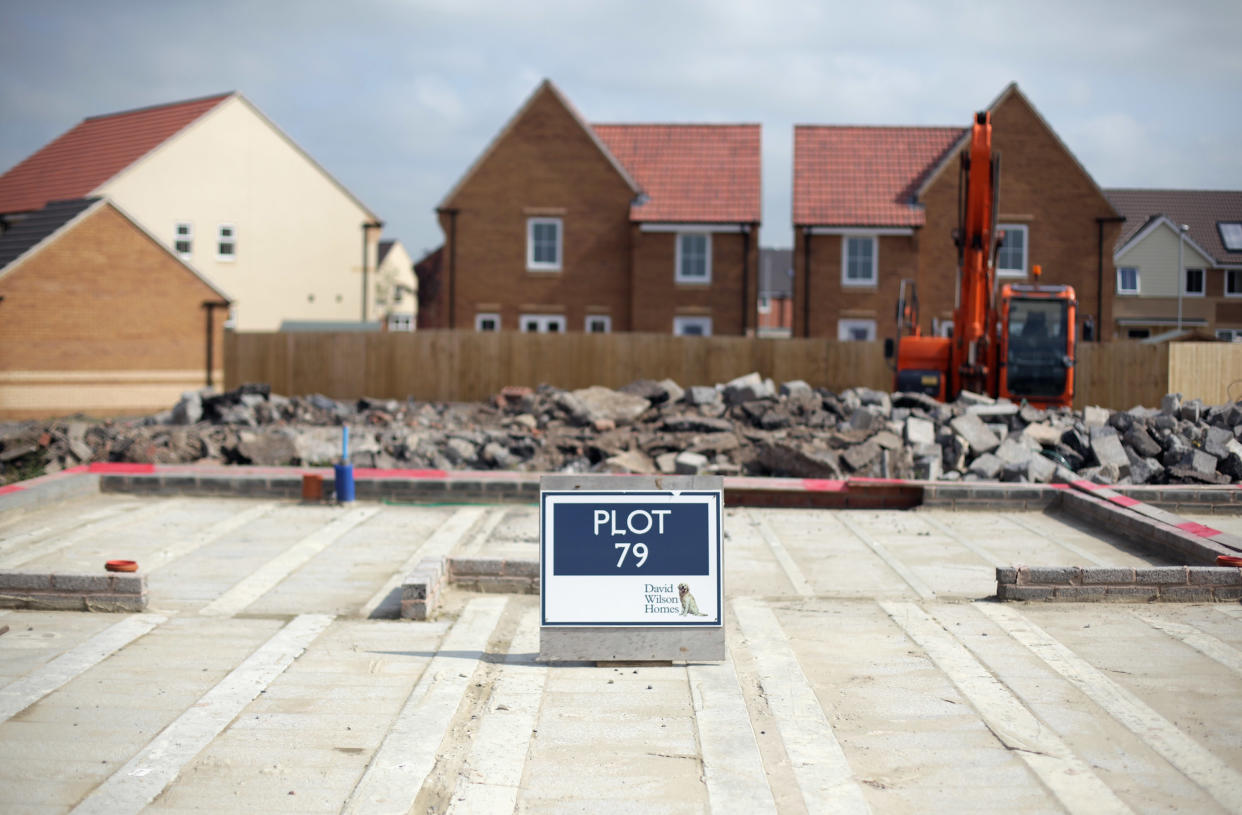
396, 288
1205, 226
229, 193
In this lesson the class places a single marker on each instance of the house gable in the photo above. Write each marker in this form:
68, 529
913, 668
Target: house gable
1202, 211
540, 105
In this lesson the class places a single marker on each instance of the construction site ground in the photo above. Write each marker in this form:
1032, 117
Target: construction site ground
868, 669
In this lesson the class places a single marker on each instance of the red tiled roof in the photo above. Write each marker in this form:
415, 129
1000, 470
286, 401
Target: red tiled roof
864, 176
76, 163
690, 173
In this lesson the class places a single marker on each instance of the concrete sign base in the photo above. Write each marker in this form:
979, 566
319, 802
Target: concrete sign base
633, 552
632, 644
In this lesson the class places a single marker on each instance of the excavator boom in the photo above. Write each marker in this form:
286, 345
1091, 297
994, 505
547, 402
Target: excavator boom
1020, 344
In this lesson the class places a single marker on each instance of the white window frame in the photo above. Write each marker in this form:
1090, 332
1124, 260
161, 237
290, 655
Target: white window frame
604, 319
543, 323
706, 278
1229, 334
845, 330
765, 304
188, 238
1228, 274
543, 265
680, 324
231, 240
486, 315
1202, 278
1121, 288
873, 280
942, 328
1008, 229
400, 322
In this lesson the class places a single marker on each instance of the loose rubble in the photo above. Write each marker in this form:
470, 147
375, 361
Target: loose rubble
748, 426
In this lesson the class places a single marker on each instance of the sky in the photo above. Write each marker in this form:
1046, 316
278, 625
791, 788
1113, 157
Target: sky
396, 98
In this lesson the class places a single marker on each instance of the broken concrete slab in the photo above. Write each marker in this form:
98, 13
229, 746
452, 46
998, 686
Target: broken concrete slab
980, 438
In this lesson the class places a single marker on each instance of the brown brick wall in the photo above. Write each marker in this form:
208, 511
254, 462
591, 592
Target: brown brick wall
1042, 187
831, 302
104, 297
545, 165
658, 297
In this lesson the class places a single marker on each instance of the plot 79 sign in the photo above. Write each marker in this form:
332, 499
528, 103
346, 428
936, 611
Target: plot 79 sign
610, 538
638, 557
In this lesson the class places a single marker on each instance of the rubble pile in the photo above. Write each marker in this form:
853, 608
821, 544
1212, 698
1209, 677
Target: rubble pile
748, 426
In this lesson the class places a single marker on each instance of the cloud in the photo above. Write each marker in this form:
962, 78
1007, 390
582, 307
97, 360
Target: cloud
396, 99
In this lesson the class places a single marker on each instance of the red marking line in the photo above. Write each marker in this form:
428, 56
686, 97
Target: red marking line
367, 472
11, 488
823, 485
122, 468
1124, 500
1198, 529
1090, 486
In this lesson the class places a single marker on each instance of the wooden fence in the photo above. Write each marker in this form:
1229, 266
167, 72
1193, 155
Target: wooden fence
471, 366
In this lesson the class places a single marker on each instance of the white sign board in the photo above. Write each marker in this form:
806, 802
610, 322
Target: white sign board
631, 558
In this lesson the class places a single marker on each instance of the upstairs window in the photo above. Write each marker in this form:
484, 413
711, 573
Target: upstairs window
1233, 282
1231, 235
226, 242
694, 258
1127, 280
1193, 282
183, 240
543, 244
859, 261
487, 322
1011, 257
598, 324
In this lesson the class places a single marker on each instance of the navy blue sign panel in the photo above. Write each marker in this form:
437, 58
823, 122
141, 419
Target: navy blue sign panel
631, 558
627, 538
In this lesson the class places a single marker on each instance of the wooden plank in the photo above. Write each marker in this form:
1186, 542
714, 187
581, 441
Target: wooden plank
1211, 371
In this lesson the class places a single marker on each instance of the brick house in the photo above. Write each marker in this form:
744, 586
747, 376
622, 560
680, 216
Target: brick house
1150, 248
564, 226
875, 205
98, 316
221, 185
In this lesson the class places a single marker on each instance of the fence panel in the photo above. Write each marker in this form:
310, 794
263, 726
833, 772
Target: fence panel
1120, 375
1211, 371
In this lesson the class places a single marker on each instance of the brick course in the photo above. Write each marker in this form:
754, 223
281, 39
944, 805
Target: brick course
1195, 584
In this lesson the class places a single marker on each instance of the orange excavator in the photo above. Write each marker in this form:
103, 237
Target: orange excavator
1017, 343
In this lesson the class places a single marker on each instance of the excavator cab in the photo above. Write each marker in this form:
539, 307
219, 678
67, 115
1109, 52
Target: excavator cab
1037, 344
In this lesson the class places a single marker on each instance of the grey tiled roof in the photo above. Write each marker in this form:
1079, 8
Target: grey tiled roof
1201, 210
26, 233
